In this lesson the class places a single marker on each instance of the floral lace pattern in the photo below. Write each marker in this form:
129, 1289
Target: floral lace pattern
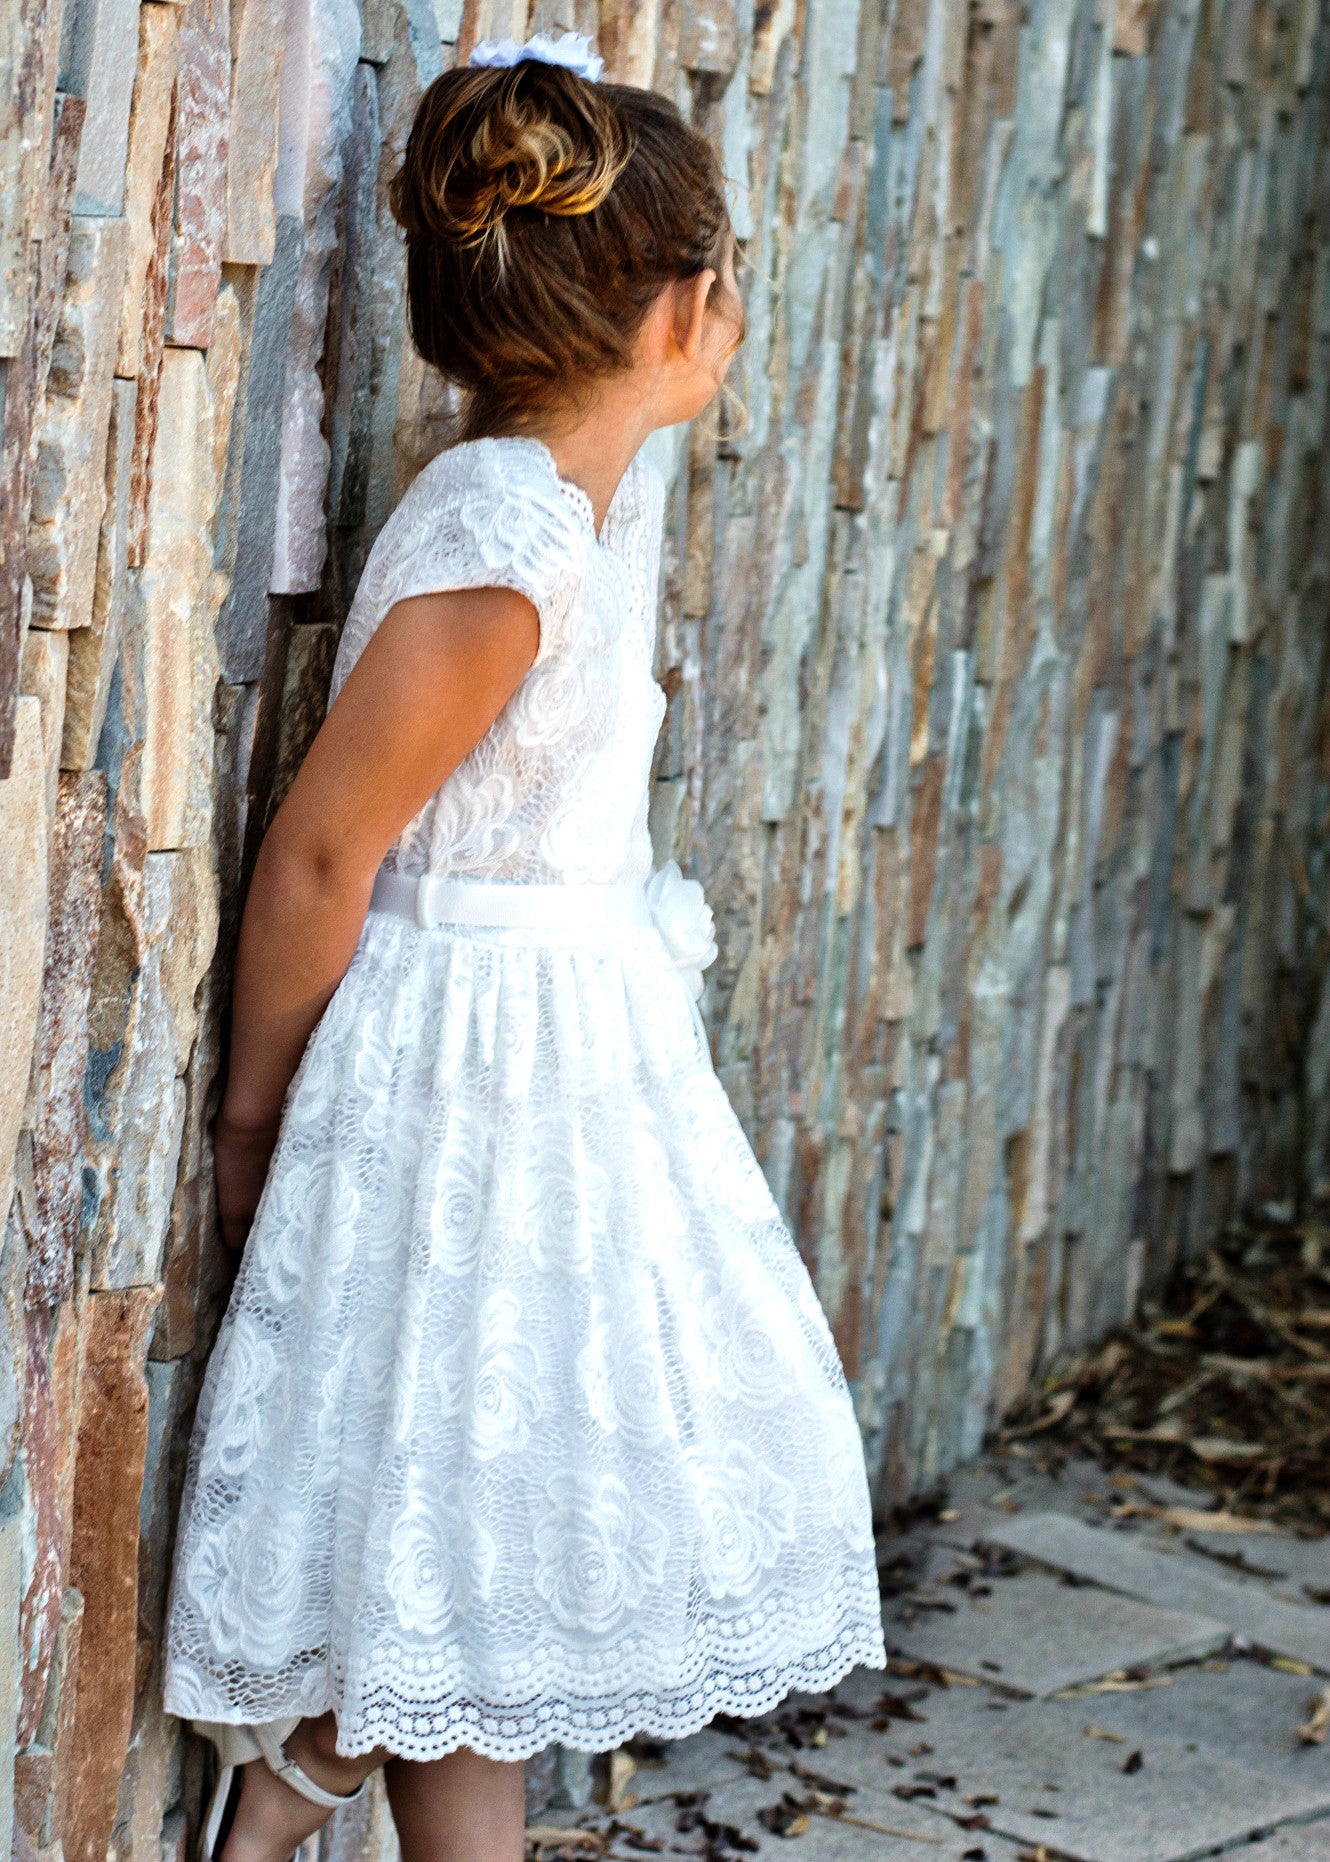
557, 788
524, 1422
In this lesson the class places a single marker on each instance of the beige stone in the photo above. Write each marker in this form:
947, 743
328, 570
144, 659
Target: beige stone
147, 982
11, 1590
43, 676
223, 370
69, 486
22, 924
149, 120
257, 40
93, 649
176, 656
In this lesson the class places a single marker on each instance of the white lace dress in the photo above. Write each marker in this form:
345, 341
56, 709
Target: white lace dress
524, 1423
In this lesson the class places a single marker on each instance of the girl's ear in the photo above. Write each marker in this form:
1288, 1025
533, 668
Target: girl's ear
690, 309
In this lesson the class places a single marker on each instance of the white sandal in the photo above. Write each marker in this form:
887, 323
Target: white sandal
238, 1746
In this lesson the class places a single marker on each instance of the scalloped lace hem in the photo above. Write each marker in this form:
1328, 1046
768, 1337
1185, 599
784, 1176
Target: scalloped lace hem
410, 1731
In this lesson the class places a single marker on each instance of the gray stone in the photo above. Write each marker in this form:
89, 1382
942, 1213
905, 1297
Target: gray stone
322, 46
1058, 1785
93, 649
1028, 1636
249, 510
1172, 1581
1288, 1568
1240, 1709
69, 489
104, 46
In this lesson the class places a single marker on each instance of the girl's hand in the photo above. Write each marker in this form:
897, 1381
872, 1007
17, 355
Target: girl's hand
241, 1156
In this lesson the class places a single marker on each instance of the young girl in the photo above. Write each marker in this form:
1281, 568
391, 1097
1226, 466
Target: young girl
524, 1423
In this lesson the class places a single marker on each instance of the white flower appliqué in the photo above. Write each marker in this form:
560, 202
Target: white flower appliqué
680, 913
572, 50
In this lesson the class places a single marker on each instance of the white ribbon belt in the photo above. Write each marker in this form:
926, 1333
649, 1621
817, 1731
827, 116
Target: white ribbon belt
435, 899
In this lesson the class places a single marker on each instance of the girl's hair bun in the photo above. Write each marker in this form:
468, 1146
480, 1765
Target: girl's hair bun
543, 213
527, 136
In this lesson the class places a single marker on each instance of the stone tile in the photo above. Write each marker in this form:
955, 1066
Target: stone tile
1174, 1581
257, 43
22, 925
149, 121
1029, 1637
46, 1454
101, 71
249, 509
1056, 1785
176, 657
13, 1339
93, 649
11, 1586
1288, 1568
322, 47
60, 1110
144, 1009
44, 675
30, 43
69, 483
112, 1434
202, 153
42, 1778
25, 389
1239, 1709
152, 334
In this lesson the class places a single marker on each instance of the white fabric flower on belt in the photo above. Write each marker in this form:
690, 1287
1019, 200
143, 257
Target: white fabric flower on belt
680, 913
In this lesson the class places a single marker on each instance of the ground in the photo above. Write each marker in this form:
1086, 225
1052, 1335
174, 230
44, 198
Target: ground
1081, 1668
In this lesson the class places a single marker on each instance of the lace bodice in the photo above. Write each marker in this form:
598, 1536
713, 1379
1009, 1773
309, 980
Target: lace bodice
557, 788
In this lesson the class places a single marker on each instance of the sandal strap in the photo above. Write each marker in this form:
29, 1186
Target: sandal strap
278, 1761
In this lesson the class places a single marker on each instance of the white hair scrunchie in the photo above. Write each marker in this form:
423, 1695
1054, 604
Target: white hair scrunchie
572, 50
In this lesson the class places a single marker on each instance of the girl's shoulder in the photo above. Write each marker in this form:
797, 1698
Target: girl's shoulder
494, 495
484, 513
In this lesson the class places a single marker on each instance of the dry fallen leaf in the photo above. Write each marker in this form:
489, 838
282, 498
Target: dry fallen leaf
1193, 1519
1118, 1683
1316, 1728
541, 1836
622, 1767
1287, 1666
1101, 1732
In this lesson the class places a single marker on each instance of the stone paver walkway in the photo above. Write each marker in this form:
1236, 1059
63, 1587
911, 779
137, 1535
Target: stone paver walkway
1092, 1692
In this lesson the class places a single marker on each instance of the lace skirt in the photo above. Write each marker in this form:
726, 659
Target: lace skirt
524, 1423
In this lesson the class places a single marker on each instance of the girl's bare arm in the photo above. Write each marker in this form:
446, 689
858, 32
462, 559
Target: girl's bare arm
430, 682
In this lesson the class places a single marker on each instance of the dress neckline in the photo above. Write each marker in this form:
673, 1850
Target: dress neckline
579, 499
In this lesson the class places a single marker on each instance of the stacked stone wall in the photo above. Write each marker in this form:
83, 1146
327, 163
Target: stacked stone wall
994, 635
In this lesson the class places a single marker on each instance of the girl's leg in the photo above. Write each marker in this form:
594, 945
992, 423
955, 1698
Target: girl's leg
462, 1808
271, 1819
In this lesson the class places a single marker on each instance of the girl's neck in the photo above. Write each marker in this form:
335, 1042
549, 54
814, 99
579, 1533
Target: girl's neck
597, 450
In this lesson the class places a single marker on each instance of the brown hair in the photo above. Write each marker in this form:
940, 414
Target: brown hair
543, 214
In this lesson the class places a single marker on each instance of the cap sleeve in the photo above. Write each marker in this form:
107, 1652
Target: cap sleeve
486, 514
